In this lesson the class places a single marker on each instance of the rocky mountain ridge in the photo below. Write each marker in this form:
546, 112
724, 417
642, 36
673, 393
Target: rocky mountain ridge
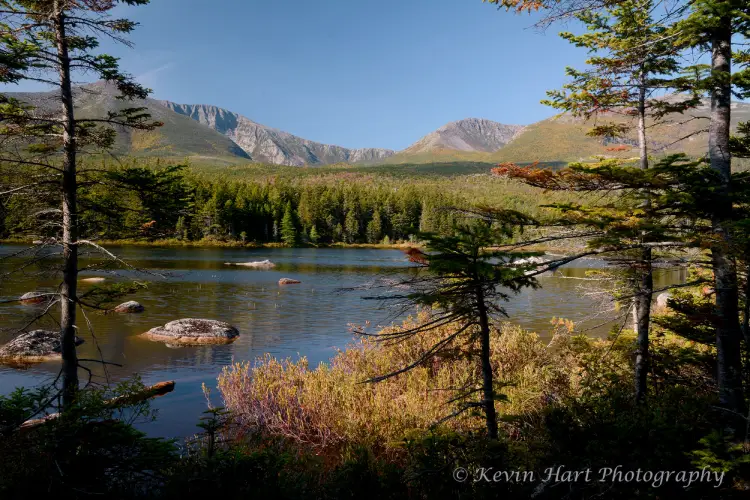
270, 145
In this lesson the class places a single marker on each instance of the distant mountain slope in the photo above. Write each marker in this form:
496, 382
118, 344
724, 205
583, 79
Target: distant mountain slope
469, 140
564, 138
179, 136
471, 134
558, 139
270, 145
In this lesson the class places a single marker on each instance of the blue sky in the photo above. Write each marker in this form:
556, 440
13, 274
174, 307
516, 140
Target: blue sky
347, 72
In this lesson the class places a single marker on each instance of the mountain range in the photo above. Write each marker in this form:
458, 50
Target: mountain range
209, 133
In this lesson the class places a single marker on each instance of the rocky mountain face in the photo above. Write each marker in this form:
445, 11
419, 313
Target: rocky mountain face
179, 136
270, 145
213, 134
471, 134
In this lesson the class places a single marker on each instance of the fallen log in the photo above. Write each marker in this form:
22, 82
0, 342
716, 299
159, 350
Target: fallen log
154, 391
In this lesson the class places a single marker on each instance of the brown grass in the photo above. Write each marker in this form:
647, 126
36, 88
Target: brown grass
330, 406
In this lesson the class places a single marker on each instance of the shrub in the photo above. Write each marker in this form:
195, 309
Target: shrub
330, 407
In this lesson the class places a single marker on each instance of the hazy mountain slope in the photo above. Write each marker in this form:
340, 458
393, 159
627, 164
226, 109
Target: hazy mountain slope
271, 145
180, 136
563, 138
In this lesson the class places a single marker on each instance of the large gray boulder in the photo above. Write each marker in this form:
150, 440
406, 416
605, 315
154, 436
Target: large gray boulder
662, 299
35, 346
194, 332
129, 307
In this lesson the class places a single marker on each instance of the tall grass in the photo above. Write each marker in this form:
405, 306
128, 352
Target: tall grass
332, 406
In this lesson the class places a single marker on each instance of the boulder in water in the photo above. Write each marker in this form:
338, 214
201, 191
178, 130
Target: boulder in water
530, 260
33, 347
131, 307
288, 281
33, 298
661, 300
194, 332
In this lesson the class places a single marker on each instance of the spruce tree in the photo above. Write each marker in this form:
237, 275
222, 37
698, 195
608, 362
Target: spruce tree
50, 42
463, 278
288, 228
622, 89
314, 236
374, 228
712, 26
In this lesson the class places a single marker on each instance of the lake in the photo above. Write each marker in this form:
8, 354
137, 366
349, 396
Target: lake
309, 319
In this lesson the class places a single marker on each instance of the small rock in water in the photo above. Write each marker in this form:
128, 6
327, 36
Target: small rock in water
192, 331
530, 260
288, 281
35, 346
129, 307
33, 298
93, 280
262, 264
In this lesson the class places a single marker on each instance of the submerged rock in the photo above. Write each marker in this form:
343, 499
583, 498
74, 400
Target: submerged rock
93, 280
288, 281
261, 264
129, 307
33, 298
35, 346
193, 332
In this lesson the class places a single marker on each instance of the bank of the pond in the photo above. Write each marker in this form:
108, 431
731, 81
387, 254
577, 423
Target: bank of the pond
214, 243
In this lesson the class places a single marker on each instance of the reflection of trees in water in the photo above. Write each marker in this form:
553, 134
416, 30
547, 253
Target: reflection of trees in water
597, 287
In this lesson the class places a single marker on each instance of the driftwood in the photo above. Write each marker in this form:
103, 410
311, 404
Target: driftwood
154, 391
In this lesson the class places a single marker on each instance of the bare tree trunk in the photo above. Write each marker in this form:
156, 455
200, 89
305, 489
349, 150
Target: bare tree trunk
642, 145
645, 285
728, 343
643, 320
487, 378
68, 289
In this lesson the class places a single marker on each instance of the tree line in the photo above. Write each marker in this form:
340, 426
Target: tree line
150, 203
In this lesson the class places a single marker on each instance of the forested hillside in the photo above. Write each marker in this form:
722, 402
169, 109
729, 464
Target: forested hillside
259, 205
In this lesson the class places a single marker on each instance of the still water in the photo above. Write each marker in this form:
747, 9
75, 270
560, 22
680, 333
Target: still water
309, 319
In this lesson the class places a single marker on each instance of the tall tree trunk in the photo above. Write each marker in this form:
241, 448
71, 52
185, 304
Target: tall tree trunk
728, 344
642, 322
68, 290
487, 378
644, 272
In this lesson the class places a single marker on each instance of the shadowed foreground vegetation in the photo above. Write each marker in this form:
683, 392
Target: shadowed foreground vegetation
297, 432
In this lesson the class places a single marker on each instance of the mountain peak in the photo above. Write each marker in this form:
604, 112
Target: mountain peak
271, 145
469, 134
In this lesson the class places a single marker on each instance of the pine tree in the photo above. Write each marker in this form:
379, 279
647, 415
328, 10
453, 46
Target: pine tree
351, 226
708, 26
624, 82
463, 279
314, 236
50, 41
374, 228
288, 228
713, 25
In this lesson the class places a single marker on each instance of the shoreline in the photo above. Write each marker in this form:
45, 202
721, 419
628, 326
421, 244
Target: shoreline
173, 243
